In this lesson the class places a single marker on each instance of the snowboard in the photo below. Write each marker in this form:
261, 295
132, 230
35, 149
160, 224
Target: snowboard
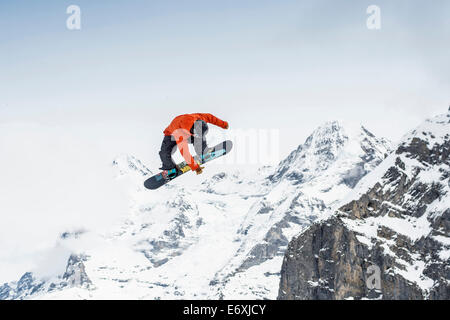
165, 176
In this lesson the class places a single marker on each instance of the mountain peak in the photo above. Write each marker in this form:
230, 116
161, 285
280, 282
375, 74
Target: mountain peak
326, 133
126, 164
432, 131
328, 143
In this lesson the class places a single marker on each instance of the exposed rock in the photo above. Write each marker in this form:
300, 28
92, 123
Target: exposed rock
328, 262
30, 286
396, 231
5, 292
75, 274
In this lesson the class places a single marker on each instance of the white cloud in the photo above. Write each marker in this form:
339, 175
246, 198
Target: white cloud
52, 180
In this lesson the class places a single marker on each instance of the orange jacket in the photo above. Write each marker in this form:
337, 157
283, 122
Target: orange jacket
180, 128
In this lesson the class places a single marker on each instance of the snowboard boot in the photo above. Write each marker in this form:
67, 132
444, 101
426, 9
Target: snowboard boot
174, 172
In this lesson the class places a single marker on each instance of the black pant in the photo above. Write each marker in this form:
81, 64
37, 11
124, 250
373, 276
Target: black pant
168, 148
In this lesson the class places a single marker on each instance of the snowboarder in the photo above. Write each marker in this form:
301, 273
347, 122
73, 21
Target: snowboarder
184, 129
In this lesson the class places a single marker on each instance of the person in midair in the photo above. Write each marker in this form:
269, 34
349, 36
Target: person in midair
185, 129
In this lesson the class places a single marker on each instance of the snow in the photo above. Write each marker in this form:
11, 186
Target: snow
313, 283
444, 255
437, 127
414, 228
249, 285
368, 181
442, 239
432, 175
437, 130
190, 243
364, 240
393, 206
414, 273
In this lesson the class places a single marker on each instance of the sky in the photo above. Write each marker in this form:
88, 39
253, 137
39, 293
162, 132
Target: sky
72, 100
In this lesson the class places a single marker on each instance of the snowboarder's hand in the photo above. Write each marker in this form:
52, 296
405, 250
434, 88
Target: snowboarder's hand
199, 170
227, 126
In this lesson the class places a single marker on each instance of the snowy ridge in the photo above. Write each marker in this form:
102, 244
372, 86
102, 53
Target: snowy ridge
433, 132
415, 189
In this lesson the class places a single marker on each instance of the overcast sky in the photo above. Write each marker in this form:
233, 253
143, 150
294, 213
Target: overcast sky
258, 64
70, 96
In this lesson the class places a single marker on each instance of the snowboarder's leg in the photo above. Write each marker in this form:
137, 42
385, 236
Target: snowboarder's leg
199, 131
168, 147
200, 145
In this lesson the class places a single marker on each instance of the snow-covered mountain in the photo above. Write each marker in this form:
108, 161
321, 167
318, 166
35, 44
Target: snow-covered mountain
311, 180
222, 237
391, 238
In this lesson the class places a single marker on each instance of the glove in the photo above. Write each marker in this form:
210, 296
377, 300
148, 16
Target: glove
227, 126
199, 170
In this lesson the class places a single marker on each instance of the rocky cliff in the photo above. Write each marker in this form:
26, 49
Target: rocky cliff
390, 240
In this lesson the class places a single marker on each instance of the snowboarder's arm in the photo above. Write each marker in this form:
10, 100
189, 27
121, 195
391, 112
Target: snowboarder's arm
208, 117
181, 137
184, 149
